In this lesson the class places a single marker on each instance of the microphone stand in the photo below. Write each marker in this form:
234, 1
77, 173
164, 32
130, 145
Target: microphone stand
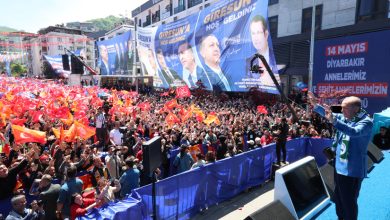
284, 98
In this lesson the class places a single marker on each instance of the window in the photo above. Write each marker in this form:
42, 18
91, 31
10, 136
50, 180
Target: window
273, 26
59, 39
273, 2
60, 47
371, 10
306, 19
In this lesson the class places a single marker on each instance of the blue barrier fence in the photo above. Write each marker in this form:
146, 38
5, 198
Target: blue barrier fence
182, 196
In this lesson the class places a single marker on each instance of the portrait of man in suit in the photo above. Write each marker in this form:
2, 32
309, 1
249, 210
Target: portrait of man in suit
104, 67
259, 35
211, 54
168, 75
191, 71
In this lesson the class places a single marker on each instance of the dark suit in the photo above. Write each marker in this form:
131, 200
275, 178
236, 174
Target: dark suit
215, 80
167, 79
202, 76
49, 198
104, 70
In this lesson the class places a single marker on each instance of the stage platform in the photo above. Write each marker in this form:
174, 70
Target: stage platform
374, 199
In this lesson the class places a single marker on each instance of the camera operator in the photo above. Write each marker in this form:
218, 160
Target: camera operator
129, 139
19, 210
280, 133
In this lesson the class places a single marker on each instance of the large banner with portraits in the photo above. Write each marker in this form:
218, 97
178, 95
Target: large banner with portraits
354, 65
213, 47
116, 55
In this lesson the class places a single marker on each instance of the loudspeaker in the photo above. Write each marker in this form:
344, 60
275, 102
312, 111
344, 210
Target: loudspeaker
370, 164
151, 155
65, 62
327, 173
77, 66
374, 153
274, 211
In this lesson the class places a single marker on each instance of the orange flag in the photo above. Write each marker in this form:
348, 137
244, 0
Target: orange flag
25, 135
68, 121
199, 114
187, 114
84, 131
170, 104
212, 117
194, 150
171, 119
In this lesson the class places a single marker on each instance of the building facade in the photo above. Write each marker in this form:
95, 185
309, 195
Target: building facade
55, 40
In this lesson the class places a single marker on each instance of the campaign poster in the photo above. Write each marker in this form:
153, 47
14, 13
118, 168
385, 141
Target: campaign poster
177, 61
147, 54
355, 65
214, 48
114, 55
228, 35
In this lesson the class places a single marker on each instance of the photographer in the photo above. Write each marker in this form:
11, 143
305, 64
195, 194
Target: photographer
19, 210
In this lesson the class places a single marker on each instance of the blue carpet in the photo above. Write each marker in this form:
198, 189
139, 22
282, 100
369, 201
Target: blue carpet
374, 198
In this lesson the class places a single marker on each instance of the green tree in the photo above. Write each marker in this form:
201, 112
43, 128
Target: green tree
106, 23
18, 69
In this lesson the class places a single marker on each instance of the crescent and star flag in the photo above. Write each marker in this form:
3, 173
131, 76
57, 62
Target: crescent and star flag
172, 119
24, 135
144, 106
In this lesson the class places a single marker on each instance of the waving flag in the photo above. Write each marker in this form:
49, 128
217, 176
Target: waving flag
171, 119
164, 94
262, 109
199, 114
18, 121
25, 135
170, 104
212, 117
84, 131
182, 92
144, 106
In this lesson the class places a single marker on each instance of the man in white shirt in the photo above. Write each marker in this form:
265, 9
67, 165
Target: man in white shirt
116, 135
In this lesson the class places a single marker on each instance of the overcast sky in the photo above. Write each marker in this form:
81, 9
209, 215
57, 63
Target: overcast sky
32, 15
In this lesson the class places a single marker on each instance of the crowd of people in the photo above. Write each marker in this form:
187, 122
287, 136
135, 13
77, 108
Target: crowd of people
50, 171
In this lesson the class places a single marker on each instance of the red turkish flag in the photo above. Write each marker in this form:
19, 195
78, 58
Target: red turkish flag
262, 109
182, 92
144, 106
18, 121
